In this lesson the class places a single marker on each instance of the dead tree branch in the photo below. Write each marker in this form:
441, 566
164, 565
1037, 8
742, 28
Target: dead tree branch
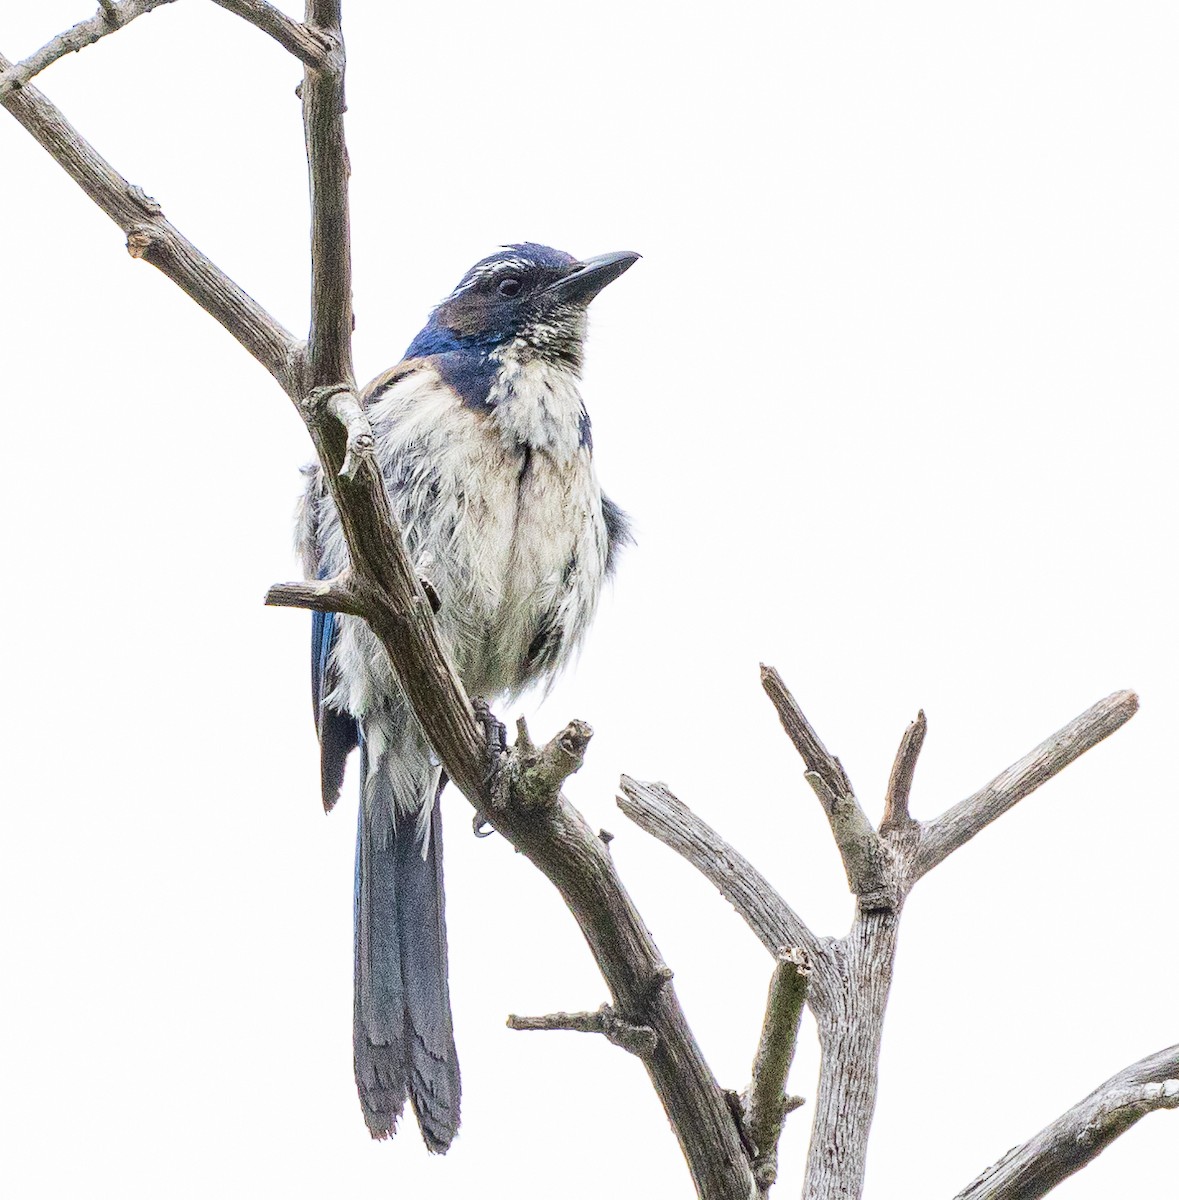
956, 826
320, 595
859, 844
768, 1104
1078, 1136
851, 976
900, 781
636, 1039
653, 808
110, 18
309, 45
154, 239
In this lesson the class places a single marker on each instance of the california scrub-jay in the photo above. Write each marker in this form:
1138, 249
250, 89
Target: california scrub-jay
485, 448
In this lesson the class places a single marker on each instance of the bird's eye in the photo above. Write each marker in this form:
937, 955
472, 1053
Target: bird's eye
509, 287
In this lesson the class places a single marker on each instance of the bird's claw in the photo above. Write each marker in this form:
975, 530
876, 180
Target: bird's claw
496, 747
431, 594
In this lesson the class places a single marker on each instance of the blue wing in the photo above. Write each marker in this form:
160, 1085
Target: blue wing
337, 730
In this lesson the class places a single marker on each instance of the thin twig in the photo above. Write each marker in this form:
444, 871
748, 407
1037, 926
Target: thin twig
309, 45
319, 595
655, 809
637, 1039
900, 781
151, 237
767, 1105
111, 18
863, 853
1078, 1136
957, 825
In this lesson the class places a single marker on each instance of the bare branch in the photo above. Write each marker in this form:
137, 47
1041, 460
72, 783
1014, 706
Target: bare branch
308, 45
806, 741
340, 402
653, 808
112, 17
329, 343
320, 595
900, 782
637, 1039
1077, 1137
956, 826
767, 1106
151, 237
863, 853
534, 777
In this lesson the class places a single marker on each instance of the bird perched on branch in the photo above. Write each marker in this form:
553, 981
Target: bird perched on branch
485, 447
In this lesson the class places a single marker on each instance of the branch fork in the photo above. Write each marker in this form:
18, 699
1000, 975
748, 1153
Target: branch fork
341, 402
531, 777
848, 982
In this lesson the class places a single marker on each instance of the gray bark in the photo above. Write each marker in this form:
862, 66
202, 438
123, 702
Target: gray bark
852, 975
1078, 1136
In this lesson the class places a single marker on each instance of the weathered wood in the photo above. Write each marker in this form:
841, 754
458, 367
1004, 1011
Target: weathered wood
312, 46
900, 781
655, 809
852, 975
858, 842
111, 18
154, 239
1078, 1136
957, 825
636, 1039
766, 1106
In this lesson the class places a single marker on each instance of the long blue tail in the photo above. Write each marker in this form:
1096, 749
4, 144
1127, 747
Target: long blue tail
403, 1037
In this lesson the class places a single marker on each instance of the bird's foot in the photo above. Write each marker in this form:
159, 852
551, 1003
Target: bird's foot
496, 737
431, 594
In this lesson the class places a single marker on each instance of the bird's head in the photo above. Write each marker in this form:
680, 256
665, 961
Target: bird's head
529, 297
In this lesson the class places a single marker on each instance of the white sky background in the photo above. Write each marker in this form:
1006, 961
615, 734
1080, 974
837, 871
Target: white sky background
891, 399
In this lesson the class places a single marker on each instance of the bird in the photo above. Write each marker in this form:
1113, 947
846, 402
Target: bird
486, 451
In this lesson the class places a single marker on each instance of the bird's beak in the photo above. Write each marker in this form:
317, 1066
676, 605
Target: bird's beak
588, 278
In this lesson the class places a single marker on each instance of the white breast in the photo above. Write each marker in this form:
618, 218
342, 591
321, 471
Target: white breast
502, 512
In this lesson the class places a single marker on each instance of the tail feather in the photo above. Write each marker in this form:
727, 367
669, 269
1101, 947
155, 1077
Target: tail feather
434, 1086
403, 1037
378, 1043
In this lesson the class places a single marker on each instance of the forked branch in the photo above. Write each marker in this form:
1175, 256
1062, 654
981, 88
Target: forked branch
312, 46
654, 808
